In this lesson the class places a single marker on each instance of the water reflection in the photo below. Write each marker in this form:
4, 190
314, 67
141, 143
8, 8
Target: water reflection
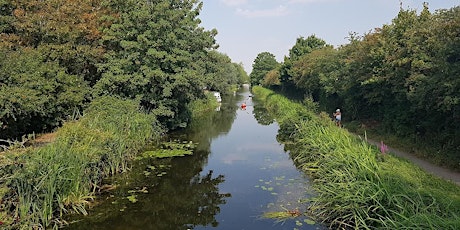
238, 172
261, 114
169, 193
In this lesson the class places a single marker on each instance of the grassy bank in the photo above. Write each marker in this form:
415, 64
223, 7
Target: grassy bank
39, 185
357, 186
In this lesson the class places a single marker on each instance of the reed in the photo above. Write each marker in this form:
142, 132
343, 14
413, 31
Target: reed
357, 187
63, 176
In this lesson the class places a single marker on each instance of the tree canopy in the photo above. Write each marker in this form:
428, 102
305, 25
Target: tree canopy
403, 76
264, 63
153, 51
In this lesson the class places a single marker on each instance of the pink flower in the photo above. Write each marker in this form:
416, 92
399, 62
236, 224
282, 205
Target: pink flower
383, 147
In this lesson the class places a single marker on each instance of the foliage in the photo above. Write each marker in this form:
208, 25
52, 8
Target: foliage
47, 182
305, 46
402, 76
154, 51
264, 63
272, 78
221, 74
63, 30
201, 107
36, 93
356, 186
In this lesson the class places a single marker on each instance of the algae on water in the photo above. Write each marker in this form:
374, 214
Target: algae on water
170, 149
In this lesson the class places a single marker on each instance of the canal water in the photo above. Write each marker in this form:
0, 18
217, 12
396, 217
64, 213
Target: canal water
238, 173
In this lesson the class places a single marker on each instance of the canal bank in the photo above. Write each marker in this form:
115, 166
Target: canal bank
238, 172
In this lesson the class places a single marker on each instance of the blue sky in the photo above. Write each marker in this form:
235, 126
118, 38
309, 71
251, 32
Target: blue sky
249, 27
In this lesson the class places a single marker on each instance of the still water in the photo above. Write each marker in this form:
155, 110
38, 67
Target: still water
237, 173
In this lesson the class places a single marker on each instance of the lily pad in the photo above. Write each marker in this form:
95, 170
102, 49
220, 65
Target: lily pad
132, 198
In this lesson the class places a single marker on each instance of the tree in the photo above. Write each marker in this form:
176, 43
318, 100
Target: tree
221, 74
264, 63
272, 78
155, 53
66, 31
35, 94
303, 46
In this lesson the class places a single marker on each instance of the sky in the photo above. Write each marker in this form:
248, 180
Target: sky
249, 27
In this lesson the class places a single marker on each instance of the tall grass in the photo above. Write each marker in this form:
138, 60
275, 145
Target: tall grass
356, 186
47, 182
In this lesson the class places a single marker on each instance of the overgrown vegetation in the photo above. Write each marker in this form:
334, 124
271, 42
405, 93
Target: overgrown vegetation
41, 184
402, 77
132, 68
58, 55
356, 186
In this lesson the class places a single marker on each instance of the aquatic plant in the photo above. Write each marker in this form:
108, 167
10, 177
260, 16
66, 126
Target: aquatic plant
166, 149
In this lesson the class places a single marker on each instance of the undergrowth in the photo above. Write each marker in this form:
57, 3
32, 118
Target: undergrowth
357, 186
39, 185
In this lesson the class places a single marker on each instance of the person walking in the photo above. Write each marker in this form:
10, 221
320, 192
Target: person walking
338, 117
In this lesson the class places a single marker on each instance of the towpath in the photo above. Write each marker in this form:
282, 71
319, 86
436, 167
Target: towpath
441, 172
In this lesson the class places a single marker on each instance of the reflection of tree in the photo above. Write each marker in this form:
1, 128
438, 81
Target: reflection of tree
287, 135
183, 197
180, 199
212, 124
261, 114
177, 205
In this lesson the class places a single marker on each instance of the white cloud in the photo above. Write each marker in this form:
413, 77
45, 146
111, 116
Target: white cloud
274, 12
234, 2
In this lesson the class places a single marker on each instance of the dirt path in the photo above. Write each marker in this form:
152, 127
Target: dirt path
444, 173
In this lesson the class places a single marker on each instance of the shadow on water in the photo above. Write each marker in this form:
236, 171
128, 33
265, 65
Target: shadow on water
238, 172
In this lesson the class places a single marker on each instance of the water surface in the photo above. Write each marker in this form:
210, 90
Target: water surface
238, 172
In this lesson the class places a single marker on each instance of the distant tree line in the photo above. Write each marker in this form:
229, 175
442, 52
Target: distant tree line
56, 56
404, 76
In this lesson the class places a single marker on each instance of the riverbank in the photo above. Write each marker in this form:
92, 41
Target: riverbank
41, 184
358, 186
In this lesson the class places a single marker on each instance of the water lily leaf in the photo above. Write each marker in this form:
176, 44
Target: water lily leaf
309, 222
132, 198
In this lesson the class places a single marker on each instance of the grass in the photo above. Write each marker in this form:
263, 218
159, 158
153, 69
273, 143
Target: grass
356, 186
422, 148
40, 185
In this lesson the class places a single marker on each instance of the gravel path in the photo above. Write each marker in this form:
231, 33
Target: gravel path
441, 172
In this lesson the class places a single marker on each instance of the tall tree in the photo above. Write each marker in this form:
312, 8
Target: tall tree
155, 48
303, 46
264, 63
66, 31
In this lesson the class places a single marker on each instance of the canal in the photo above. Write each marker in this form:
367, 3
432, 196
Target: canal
238, 175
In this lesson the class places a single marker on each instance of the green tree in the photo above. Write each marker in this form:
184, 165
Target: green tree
303, 46
221, 74
155, 51
264, 63
272, 78
35, 94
